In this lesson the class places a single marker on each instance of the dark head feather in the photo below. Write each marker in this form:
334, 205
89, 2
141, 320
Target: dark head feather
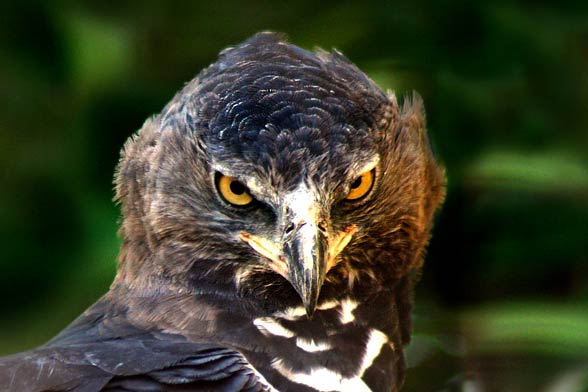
284, 115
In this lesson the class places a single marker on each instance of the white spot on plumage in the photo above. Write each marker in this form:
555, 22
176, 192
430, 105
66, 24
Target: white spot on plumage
298, 311
311, 346
376, 341
328, 305
321, 379
291, 313
269, 326
346, 312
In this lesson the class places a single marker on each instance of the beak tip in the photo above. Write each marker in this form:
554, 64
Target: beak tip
305, 252
310, 308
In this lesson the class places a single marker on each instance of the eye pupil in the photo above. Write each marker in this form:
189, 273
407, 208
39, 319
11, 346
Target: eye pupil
356, 183
237, 188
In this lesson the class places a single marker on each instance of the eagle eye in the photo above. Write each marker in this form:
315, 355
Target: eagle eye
233, 191
361, 186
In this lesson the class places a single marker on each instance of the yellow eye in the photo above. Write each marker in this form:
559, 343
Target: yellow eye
233, 191
361, 186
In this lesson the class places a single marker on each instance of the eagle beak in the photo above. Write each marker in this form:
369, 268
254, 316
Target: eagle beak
305, 253
305, 249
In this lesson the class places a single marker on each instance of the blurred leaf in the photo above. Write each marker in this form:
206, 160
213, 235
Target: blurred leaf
553, 172
528, 327
99, 51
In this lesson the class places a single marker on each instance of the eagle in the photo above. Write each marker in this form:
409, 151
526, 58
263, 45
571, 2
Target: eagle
275, 217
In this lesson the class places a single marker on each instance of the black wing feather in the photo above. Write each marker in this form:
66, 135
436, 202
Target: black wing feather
149, 364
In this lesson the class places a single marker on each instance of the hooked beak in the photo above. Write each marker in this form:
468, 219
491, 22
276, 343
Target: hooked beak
305, 249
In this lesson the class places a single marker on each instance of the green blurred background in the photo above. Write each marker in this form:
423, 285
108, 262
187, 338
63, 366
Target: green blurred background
503, 302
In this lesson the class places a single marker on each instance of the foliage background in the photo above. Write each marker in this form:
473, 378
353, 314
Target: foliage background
503, 303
